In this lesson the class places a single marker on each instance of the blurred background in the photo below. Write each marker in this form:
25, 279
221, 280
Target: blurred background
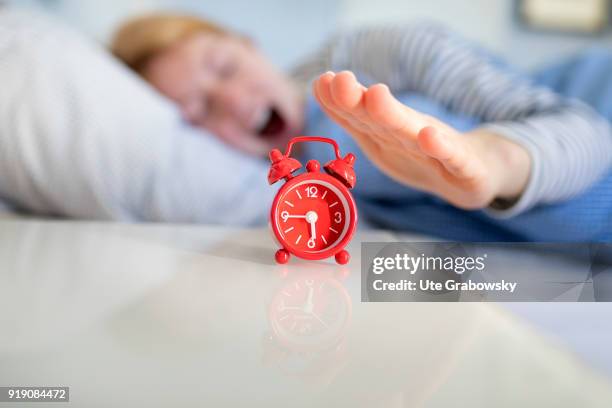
529, 33
288, 29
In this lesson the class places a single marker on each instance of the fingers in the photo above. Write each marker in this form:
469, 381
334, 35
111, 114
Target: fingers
320, 88
410, 146
391, 114
322, 92
348, 93
346, 108
451, 154
374, 114
372, 111
343, 95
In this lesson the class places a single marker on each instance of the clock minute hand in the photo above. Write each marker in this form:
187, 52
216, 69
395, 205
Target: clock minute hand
285, 216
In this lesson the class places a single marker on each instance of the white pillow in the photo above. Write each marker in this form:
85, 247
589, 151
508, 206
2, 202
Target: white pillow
82, 136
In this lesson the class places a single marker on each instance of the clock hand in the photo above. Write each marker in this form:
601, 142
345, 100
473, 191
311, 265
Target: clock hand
308, 306
311, 218
290, 308
316, 316
313, 230
285, 216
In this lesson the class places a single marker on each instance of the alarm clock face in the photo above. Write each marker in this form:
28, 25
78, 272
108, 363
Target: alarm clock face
313, 216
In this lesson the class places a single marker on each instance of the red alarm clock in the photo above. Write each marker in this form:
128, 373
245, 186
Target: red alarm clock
313, 215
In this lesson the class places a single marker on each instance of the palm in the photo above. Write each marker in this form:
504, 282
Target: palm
414, 149
422, 172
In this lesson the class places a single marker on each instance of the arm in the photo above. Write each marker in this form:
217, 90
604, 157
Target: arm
567, 141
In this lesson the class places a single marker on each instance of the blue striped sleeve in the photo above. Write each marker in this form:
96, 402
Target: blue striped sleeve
570, 144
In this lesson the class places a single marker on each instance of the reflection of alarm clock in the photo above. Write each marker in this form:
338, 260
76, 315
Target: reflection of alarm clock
313, 215
310, 313
308, 317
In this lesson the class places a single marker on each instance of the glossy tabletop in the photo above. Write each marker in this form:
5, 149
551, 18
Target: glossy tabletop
197, 316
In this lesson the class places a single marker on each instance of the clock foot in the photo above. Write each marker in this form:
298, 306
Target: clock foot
282, 256
343, 257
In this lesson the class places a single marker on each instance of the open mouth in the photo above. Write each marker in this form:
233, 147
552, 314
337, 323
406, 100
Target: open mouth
271, 125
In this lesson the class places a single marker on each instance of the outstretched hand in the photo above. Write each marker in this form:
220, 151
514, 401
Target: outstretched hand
468, 170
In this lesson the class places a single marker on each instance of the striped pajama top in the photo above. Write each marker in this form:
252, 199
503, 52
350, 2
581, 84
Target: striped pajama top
570, 144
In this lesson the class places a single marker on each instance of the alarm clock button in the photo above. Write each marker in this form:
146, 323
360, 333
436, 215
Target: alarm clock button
313, 166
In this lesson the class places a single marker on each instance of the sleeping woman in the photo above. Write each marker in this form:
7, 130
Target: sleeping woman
455, 143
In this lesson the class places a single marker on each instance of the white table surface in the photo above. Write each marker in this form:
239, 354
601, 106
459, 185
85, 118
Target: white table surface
152, 315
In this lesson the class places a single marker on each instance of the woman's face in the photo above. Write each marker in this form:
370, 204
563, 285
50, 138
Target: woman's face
224, 84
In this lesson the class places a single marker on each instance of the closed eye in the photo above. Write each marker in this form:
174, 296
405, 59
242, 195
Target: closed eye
227, 70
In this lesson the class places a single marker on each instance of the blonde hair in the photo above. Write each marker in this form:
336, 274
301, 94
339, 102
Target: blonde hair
140, 39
